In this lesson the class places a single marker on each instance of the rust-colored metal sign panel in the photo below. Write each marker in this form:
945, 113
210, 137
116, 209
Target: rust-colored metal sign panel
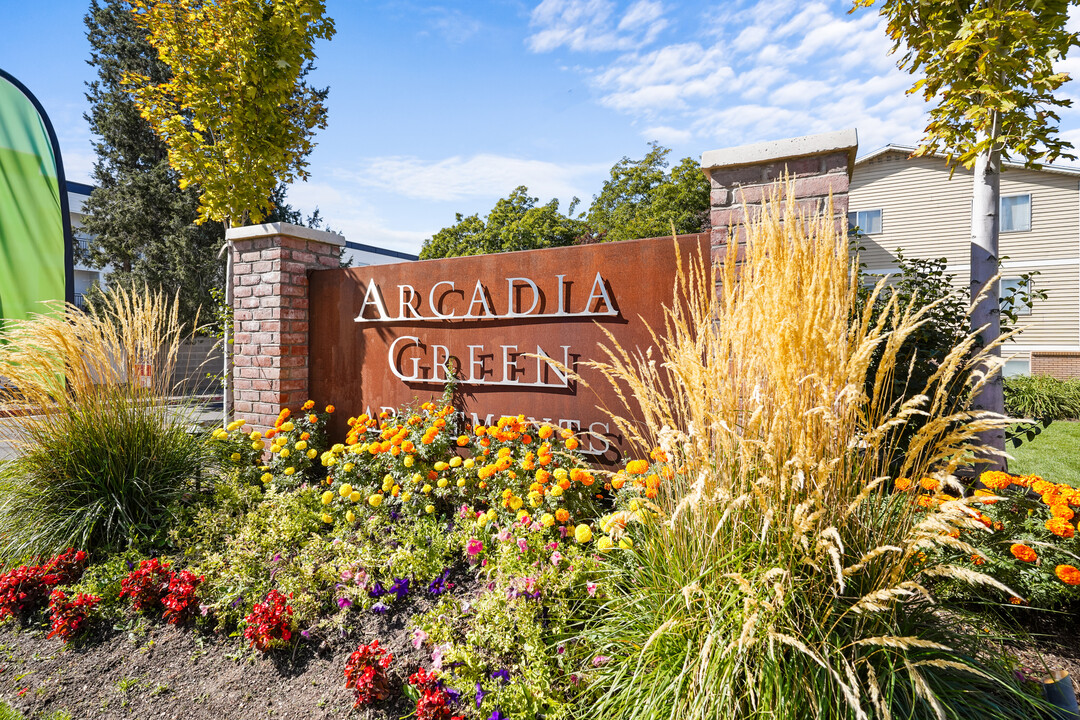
383, 336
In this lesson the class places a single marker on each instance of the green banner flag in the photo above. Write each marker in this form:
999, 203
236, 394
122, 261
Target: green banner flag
35, 228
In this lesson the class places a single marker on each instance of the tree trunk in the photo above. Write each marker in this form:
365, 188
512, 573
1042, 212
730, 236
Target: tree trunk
986, 200
226, 346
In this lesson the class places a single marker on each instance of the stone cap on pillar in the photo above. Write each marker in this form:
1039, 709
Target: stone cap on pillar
253, 232
776, 151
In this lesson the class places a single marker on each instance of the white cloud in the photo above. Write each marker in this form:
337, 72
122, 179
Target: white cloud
351, 213
483, 175
592, 25
760, 70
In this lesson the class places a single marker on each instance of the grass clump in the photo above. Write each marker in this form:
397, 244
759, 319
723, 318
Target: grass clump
780, 572
1042, 397
104, 459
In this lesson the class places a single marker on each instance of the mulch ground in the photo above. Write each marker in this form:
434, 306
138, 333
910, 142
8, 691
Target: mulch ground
171, 672
176, 673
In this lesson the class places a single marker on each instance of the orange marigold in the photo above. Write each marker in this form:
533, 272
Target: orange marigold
572, 444
902, 484
978, 559
1060, 527
1023, 552
545, 432
309, 404
1061, 510
1067, 574
995, 479
562, 515
929, 483
637, 467
462, 440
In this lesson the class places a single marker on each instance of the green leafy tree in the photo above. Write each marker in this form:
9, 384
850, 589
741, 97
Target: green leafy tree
988, 67
641, 199
140, 221
515, 223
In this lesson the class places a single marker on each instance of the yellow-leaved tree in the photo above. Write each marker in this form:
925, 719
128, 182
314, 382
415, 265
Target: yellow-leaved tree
237, 113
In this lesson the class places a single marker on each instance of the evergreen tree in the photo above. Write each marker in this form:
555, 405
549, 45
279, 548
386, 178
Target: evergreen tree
140, 221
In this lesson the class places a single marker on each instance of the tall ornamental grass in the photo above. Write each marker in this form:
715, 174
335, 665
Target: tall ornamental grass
783, 574
102, 457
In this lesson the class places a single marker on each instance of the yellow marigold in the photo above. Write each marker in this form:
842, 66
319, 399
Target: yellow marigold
547, 519
266, 477
1060, 527
327, 497
290, 470
603, 544
1023, 552
443, 482
626, 543
350, 516
345, 490
561, 474
355, 496
583, 533
455, 462
1067, 574
327, 519
429, 509
375, 500
637, 467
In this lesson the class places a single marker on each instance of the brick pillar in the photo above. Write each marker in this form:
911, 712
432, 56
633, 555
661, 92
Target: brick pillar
270, 282
743, 176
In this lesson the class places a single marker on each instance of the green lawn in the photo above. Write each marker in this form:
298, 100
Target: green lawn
1053, 454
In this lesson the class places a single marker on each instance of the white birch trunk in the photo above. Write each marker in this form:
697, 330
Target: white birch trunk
985, 205
226, 349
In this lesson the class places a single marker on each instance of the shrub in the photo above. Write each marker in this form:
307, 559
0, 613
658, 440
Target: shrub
107, 458
147, 585
1042, 397
181, 601
365, 673
773, 574
270, 622
67, 617
1026, 531
27, 587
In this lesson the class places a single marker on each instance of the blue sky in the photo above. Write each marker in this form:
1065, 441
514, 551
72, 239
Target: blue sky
444, 108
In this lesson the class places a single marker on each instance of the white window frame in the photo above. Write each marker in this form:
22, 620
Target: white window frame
1001, 213
856, 213
1018, 309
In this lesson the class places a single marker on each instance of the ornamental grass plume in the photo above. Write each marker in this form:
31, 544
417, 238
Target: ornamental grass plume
782, 577
103, 455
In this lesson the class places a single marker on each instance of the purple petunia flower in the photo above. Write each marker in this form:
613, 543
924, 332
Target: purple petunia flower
377, 590
438, 585
380, 607
479, 695
502, 675
454, 695
497, 715
344, 603
400, 588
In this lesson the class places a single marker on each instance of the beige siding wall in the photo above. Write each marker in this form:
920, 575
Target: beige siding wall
926, 214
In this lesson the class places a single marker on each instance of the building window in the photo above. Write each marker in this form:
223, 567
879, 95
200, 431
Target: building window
1015, 213
1016, 367
867, 221
1015, 293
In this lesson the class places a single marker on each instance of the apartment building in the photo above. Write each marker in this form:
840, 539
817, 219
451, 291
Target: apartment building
911, 204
